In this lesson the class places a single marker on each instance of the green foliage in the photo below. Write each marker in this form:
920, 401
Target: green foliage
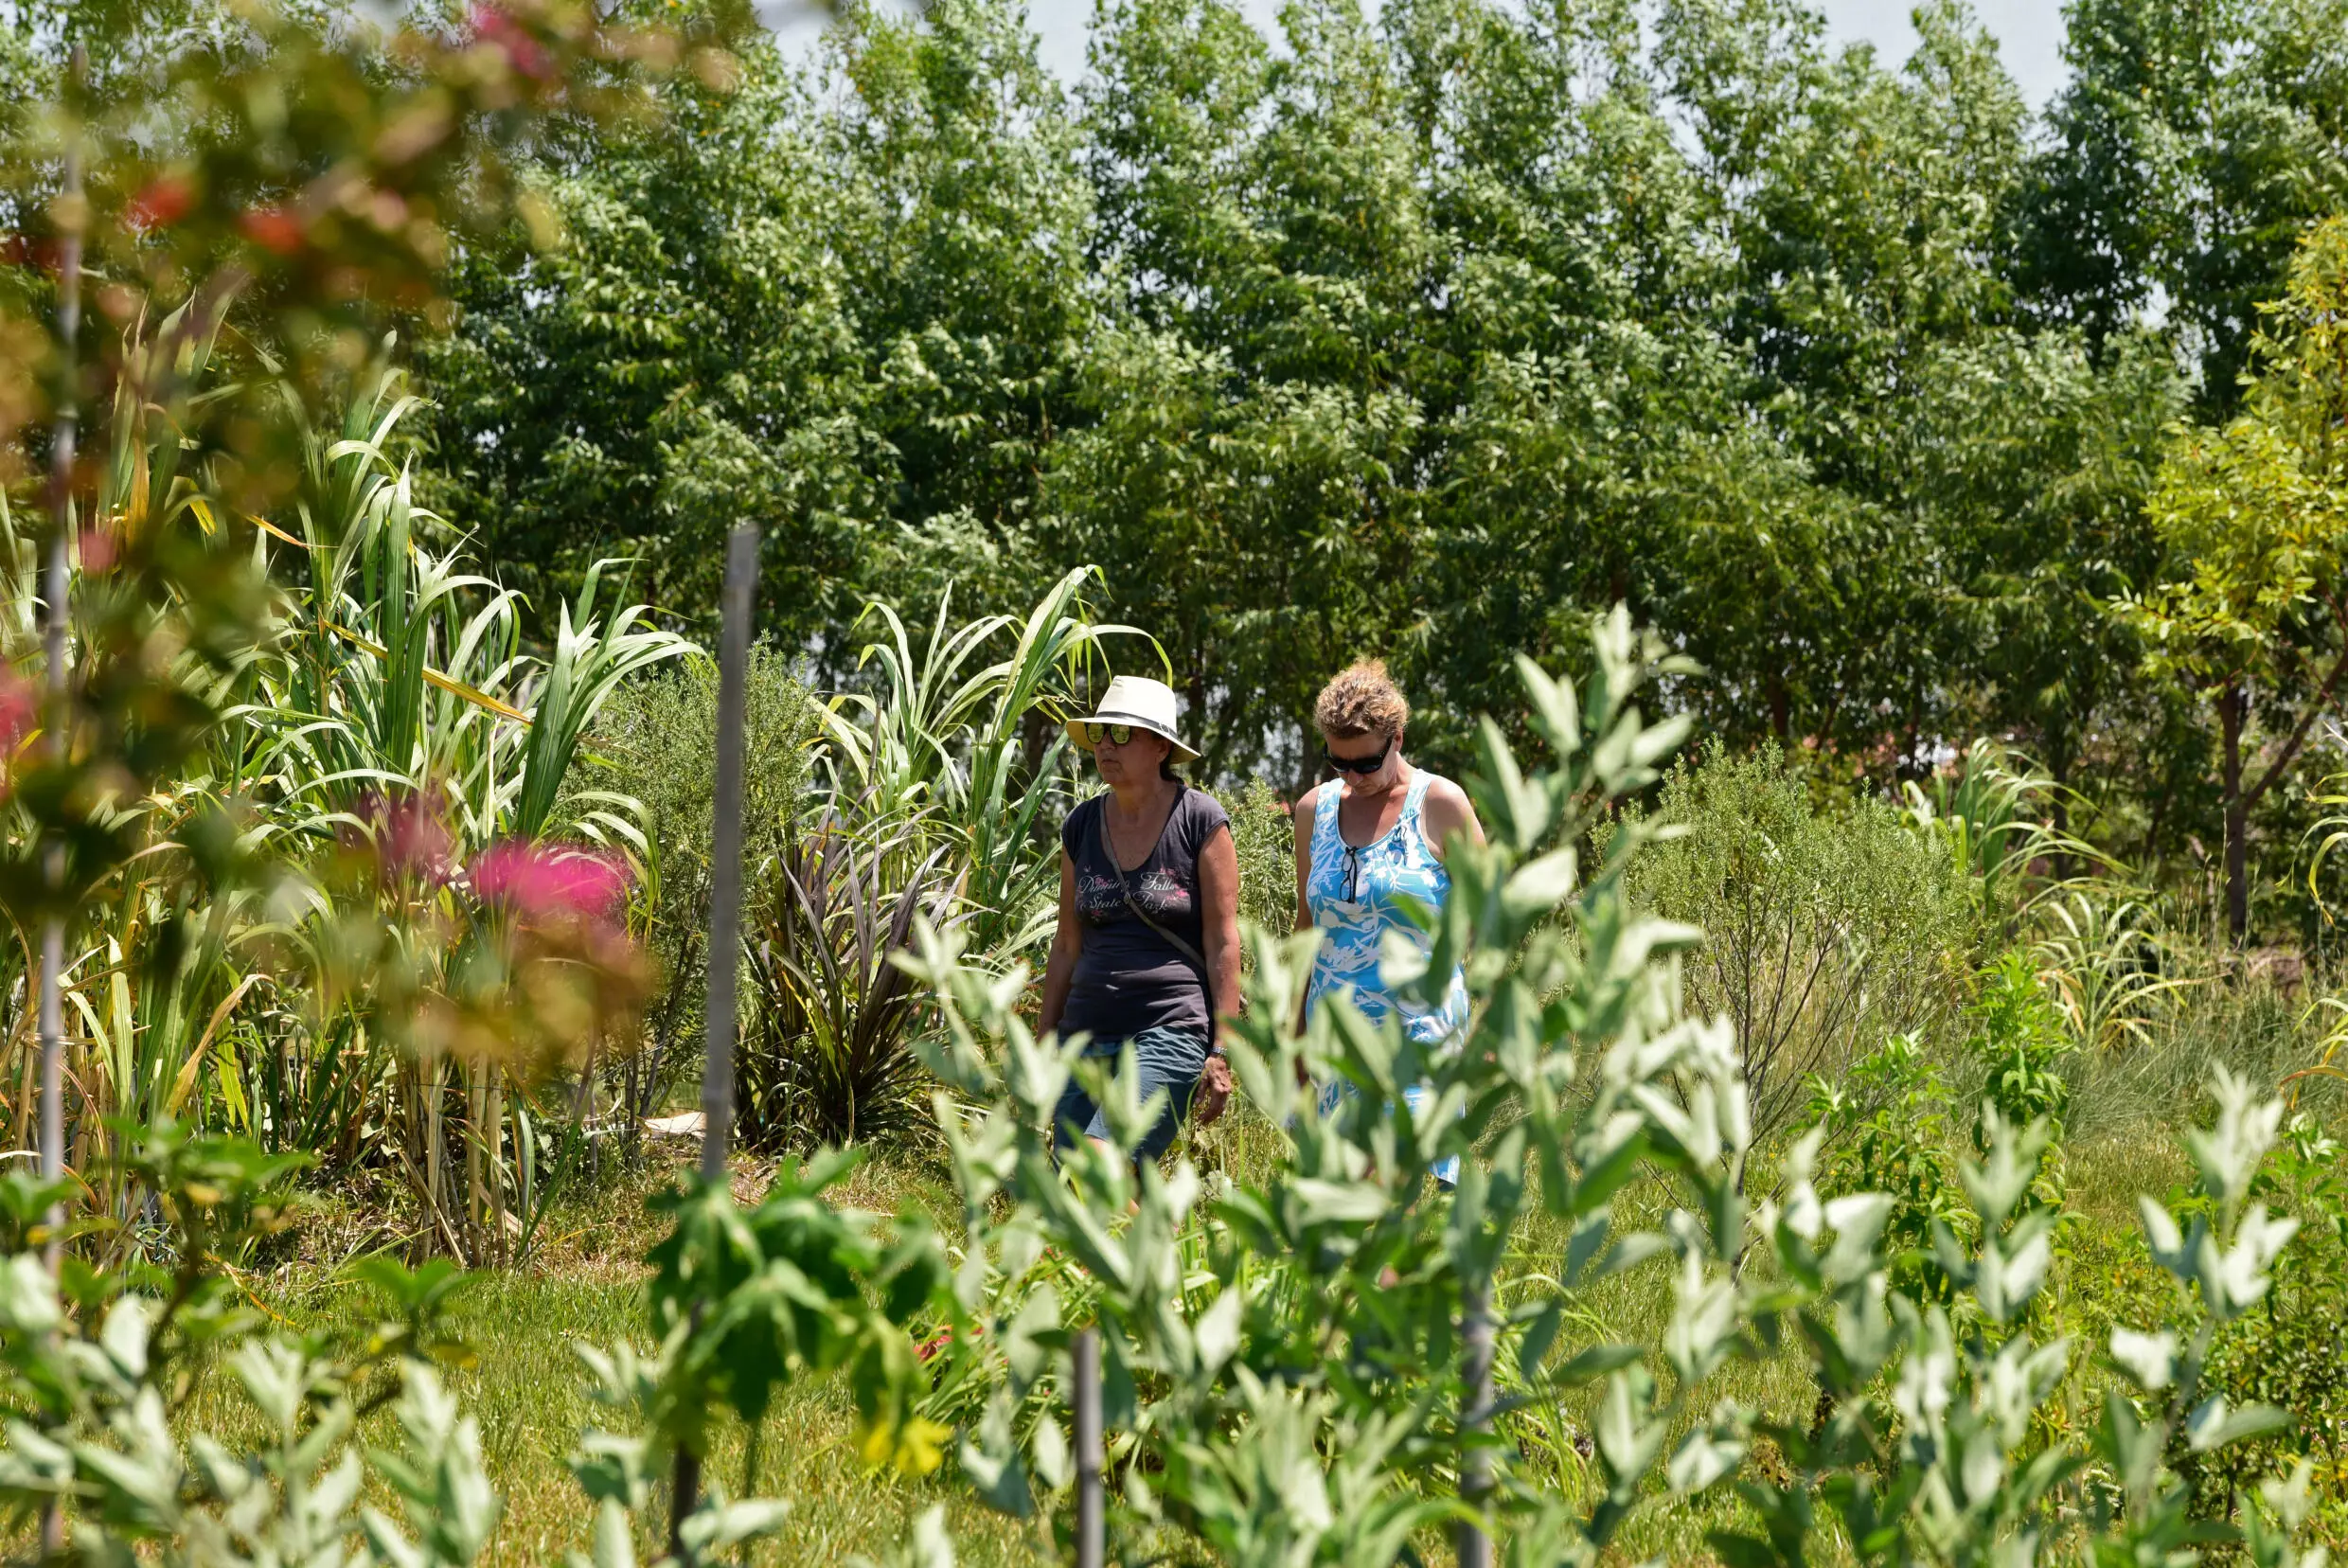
1283, 1358
2165, 168
827, 1056
1925, 1445
1886, 1126
1293, 1361
1425, 338
1266, 842
2253, 516
2113, 967
744, 1301
94, 1375
973, 753
359, 864
1824, 929
2285, 1351
99, 1372
2018, 1040
654, 743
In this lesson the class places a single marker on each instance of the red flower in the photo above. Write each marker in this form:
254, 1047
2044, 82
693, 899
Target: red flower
551, 882
164, 202
495, 24
272, 228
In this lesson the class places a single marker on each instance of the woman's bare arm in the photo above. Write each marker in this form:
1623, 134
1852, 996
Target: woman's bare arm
1218, 910
1301, 815
1059, 969
1447, 811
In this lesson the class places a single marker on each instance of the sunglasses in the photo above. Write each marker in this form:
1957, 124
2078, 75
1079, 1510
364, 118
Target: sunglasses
1116, 735
1358, 764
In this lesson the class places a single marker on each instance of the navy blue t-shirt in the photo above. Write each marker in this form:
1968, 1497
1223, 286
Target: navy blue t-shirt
1128, 978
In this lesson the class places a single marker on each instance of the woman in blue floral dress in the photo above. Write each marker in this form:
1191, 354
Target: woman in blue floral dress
1369, 844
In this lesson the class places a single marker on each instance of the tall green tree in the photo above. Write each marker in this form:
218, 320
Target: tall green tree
681, 356
1250, 478
2193, 142
2255, 514
847, 316
957, 208
1588, 427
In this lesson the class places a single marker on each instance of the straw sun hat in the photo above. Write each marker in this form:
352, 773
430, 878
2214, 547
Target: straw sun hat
1142, 703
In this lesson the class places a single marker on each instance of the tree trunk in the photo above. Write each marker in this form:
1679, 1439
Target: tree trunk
2058, 769
2232, 709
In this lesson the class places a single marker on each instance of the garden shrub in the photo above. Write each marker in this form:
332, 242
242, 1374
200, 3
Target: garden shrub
1305, 1365
99, 1369
1824, 929
656, 743
1886, 1129
827, 1056
2288, 1351
2018, 1043
1302, 1369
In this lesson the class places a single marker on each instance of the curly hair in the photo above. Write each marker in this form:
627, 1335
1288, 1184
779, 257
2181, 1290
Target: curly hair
1362, 701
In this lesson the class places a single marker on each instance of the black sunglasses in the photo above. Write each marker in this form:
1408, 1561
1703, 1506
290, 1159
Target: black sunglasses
1358, 764
1116, 735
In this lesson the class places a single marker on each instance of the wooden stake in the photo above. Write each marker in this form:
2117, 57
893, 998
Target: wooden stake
1090, 1532
726, 923
1475, 1461
54, 592
725, 880
57, 720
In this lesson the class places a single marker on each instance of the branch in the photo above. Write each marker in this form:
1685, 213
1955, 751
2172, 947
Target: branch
2306, 721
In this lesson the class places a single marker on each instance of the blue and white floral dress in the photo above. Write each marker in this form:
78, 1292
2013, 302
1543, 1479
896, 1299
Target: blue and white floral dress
1357, 897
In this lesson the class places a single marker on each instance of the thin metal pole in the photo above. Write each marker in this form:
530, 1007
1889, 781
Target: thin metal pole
726, 923
1475, 1460
1089, 1450
57, 719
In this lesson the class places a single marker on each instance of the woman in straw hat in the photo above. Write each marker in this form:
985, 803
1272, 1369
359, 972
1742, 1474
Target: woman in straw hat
1369, 857
1146, 956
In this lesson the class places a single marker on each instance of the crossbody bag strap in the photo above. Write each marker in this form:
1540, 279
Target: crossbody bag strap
1109, 851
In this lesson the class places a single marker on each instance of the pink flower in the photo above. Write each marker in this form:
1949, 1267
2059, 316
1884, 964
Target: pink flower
402, 835
20, 709
164, 202
541, 882
413, 839
272, 229
97, 548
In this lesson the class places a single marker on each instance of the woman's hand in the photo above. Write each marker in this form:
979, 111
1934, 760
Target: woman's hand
1214, 1089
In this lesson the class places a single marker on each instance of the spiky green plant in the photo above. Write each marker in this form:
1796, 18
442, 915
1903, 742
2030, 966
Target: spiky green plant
950, 738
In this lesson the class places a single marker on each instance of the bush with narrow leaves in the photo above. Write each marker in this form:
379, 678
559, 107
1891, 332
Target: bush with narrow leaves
1304, 1370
